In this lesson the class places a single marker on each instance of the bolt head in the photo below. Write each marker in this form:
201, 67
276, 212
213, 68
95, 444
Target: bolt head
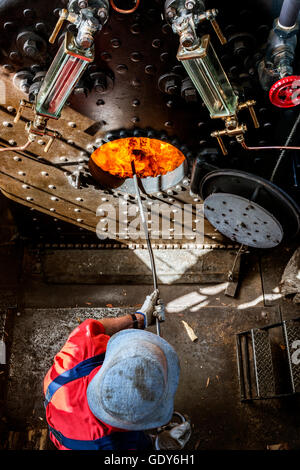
82, 4
189, 5
102, 13
171, 13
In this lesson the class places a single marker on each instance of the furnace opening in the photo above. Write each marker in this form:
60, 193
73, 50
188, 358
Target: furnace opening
152, 157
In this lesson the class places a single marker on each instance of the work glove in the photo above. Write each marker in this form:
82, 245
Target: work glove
174, 435
152, 308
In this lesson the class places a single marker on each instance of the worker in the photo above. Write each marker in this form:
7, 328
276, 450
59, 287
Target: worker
111, 381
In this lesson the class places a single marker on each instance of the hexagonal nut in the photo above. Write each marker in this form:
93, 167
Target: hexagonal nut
285, 33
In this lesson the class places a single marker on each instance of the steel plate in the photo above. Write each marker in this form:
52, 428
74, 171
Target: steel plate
243, 221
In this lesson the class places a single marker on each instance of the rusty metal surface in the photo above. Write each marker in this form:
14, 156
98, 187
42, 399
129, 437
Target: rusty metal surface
131, 266
39, 180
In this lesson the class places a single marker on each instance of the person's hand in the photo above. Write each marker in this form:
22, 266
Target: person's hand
148, 308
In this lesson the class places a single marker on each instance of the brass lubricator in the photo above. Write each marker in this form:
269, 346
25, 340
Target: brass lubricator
233, 128
37, 127
202, 64
73, 57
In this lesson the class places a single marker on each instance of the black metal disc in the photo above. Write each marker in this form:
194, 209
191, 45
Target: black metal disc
243, 221
266, 196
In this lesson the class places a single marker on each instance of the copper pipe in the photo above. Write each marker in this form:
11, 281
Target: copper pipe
124, 12
14, 149
273, 147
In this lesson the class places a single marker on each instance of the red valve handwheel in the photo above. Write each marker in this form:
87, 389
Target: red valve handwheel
285, 93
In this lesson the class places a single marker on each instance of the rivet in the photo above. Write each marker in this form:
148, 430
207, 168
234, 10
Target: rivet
52, 209
7, 124
29, 198
169, 124
105, 56
164, 57
41, 142
40, 27
63, 159
9, 26
12, 142
121, 68
135, 119
51, 186
115, 43
25, 186
28, 13
100, 102
136, 56
72, 124
8, 67
76, 210
17, 159
156, 43
10, 109
21, 173
136, 83
170, 104
135, 28
44, 173
14, 55
150, 69
136, 103
54, 198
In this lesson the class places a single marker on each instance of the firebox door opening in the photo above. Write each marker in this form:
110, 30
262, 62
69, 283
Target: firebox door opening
159, 164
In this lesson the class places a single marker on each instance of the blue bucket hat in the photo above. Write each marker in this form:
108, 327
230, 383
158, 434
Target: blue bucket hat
136, 385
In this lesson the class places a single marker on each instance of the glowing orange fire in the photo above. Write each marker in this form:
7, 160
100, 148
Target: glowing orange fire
151, 157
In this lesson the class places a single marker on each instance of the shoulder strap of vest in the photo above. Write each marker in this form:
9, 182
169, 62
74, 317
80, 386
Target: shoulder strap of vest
82, 369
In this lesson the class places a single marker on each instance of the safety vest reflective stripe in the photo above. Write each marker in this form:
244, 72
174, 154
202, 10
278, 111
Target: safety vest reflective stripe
130, 440
82, 369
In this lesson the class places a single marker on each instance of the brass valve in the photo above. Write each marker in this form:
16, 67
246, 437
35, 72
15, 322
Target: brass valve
64, 15
236, 132
250, 105
210, 15
37, 127
23, 104
232, 127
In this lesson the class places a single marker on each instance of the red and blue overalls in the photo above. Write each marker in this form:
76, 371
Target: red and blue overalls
71, 423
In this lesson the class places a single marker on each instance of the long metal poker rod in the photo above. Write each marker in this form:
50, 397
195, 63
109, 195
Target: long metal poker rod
144, 222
